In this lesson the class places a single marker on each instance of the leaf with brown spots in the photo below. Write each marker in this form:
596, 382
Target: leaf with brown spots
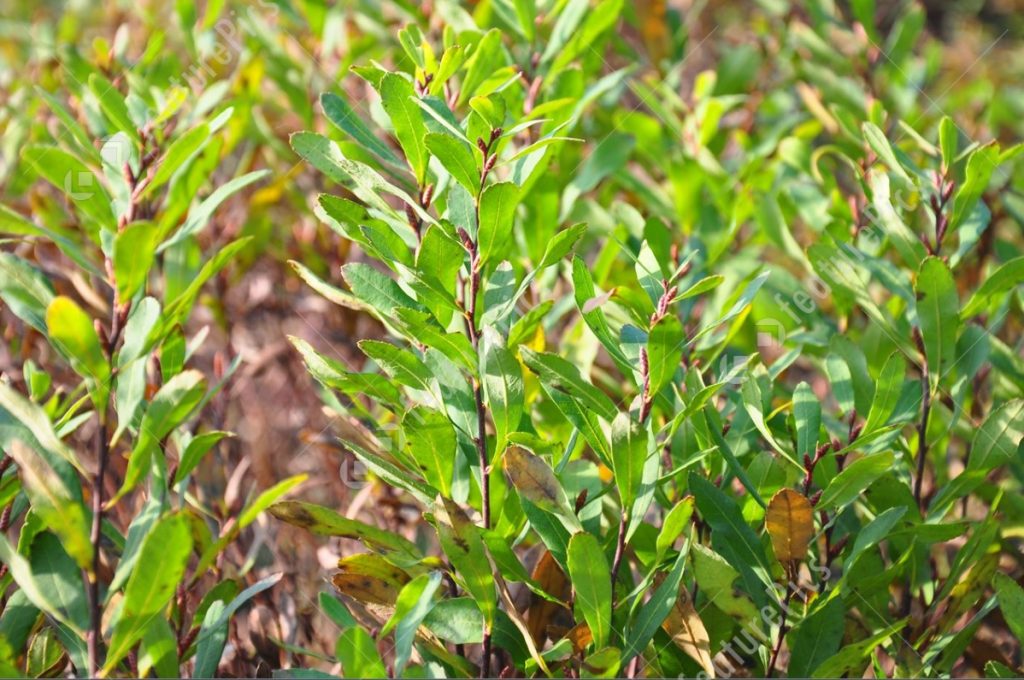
325, 522
536, 482
366, 588
790, 523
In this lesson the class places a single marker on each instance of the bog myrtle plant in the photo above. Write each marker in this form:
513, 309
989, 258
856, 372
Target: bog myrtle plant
109, 573
689, 386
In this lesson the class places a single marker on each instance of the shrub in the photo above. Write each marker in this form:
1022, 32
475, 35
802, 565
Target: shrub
619, 374
688, 338
112, 575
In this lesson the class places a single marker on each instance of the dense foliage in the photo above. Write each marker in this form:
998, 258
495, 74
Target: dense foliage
675, 341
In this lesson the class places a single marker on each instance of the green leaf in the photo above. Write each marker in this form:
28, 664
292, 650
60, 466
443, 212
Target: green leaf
715, 576
400, 363
630, 449
40, 594
177, 154
38, 428
1011, 602
159, 570
398, 99
325, 522
457, 158
358, 654
874, 532
70, 176
364, 182
887, 392
134, 250
1007, 277
504, 390
591, 582
26, 290
807, 414
497, 212
562, 244
173, 403
880, 145
664, 352
651, 615
347, 120
482, 63
196, 449
462, 544
376, 288
431, 438
213, 635
561, 375
57, 574
980, 166
733, 537
997, 441
74, 335
816, 638
113, 104
938, 307
199, 216
674, 524
456, 620
598, 20
137, 532
855, 477
414, 603
948, 139
158, 650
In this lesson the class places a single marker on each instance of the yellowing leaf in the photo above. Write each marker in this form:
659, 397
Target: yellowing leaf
688, 632
535, 481
790, 522
366, 588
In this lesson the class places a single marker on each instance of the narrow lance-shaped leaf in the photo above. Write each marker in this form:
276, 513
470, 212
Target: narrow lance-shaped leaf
462, 543
325, 522
807, 414
497, 212
413, 604
60, 513
172, 404
432, 443
503, 387
938, 308
159, 570
591, 581
857, 476
397, 97
733, 537
664, 352
457, 158
74, 335
630, 444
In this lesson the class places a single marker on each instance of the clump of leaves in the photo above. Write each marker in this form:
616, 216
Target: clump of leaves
100, 436
621, 473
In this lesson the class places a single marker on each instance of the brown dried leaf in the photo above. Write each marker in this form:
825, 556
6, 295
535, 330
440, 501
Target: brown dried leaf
551, 579
790, 522
683, 624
